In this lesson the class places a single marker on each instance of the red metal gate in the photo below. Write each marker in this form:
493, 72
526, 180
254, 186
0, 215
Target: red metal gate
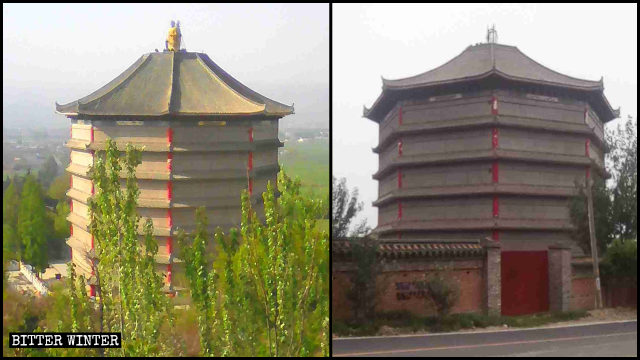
525, 282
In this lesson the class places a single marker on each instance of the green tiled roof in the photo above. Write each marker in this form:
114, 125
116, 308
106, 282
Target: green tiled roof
174, 83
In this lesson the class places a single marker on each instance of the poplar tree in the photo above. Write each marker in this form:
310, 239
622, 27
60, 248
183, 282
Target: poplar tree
201, 283
267, 290
10, 204
32, 225
130, 292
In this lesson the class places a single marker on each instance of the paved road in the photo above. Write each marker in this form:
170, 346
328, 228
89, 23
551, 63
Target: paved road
610, 339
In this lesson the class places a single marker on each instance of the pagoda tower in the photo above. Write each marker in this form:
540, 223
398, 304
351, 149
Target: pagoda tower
488, 145
205, 138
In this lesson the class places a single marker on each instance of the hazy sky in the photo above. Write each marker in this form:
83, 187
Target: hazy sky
395, 41
61, 52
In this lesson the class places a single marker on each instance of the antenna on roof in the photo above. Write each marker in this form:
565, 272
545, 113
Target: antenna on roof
492, 38
492, 35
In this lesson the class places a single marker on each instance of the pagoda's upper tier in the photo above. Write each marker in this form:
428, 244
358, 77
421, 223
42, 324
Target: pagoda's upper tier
175, 83
480, 61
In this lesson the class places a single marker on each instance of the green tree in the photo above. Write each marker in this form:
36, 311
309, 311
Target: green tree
443, 290
363, 292
344, 210
48, 171
58, 229
131, 298
287, 259
267, 292
621, 260
623, 164
10, 203
59, 186
32, 225
60, 224
201, 284
601, 214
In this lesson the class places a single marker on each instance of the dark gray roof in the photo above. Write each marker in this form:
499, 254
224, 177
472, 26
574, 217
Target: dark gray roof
478, 61
176, 83
481, 61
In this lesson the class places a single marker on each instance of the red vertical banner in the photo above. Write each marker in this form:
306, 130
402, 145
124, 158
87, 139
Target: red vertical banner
169, 218
399, 178
169, 135
91, 133
494, 172
169, 190
250, 165
93, 189
71, 229
496, 206
399, 210
400, 147
70, 205
494, 105
400, 115
169, 245
250, 186
169, 161
92, 290
494, 138
586, 147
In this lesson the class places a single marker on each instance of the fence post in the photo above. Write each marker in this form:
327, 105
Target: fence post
559, 277
493, 284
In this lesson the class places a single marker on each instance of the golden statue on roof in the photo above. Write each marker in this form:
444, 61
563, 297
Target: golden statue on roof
173, 38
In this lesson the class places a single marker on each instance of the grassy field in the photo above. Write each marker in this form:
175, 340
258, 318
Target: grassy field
308, 160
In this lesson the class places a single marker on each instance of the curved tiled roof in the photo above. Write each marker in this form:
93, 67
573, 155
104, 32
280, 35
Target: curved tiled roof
478, 62
176, 83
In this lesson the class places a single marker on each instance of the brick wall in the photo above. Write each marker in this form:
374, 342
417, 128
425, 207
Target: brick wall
400, 286
583, 291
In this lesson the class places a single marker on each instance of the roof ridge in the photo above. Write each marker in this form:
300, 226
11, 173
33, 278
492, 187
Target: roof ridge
553, 71
385, 81
210, 71
118, 82
172, 92
110, 86
205, 59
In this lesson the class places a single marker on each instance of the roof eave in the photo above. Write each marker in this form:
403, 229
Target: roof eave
388, 86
